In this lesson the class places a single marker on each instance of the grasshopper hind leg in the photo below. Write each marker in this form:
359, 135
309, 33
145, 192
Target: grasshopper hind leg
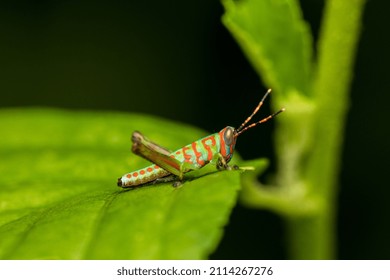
176, 182
166, 179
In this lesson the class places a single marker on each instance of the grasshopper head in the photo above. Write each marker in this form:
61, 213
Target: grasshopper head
228, 141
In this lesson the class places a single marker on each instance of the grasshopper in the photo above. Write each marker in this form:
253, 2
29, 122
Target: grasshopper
217, 148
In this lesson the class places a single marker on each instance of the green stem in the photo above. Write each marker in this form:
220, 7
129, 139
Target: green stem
312, 237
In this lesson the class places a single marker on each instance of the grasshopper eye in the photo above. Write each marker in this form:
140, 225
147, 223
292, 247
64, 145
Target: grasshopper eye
228, 136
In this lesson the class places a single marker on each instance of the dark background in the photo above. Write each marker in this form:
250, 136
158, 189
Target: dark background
175, 59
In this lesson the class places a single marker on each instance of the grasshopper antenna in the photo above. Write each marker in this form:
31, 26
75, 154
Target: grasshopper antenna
261, 121
243, 126
255, 111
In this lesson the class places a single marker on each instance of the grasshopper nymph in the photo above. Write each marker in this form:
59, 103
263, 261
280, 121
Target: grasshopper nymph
216, 148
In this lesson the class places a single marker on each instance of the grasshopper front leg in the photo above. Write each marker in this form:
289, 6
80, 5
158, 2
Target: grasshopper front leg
221, 163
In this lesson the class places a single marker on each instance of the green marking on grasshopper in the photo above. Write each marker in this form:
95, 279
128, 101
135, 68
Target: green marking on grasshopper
217, 148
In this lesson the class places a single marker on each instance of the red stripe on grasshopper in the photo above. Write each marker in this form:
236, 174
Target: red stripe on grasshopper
222, 143
210, 153
187, 157
198, 155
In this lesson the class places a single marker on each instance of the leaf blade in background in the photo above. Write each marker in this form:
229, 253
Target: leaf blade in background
59, 199
275, 39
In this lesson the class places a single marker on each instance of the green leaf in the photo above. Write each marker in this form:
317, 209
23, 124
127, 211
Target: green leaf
275, 39
59, 199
